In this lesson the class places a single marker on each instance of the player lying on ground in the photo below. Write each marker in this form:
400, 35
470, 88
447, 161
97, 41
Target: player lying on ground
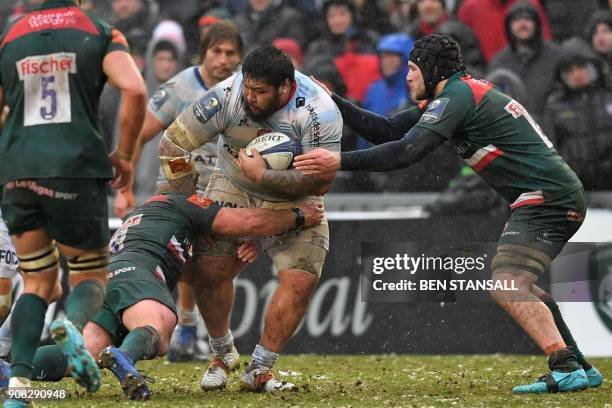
498, 138
221, 54
147, 255
268, 95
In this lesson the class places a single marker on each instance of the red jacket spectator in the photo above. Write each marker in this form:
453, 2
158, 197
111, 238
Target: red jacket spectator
358, 71
486, 19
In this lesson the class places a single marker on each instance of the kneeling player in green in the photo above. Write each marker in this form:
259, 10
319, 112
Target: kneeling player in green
498, 138
147, 254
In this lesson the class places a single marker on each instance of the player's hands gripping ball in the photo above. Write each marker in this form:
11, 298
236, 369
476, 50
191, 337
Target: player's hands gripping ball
253, 166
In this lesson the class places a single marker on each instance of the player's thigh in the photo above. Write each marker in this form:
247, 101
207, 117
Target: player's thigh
226, 194
150, 312
303, 250
131, 283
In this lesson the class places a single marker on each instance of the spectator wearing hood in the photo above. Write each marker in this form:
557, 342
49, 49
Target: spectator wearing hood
390, 92
599, 36
529, 56
265, 20
579, 118
486, 19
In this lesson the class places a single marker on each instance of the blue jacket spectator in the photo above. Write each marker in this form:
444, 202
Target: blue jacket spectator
390, 92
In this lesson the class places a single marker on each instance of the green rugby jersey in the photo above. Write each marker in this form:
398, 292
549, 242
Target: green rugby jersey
160, 231
51, 74
497, 137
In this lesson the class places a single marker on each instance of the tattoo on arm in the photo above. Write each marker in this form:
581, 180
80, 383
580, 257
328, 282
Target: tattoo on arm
291, 184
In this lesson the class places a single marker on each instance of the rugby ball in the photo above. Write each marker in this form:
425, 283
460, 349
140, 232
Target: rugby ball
277, 149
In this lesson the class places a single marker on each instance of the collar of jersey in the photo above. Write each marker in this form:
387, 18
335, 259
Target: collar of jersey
291, 95
196, 72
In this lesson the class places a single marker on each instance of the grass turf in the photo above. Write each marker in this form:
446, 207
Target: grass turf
356, 381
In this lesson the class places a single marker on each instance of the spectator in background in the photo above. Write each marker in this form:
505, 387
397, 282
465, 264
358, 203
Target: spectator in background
369, 16
390, 92
401, 14
486, 19
431, 13
265, 20
292, 49
164, 59
565, 21
599, 37
579, 118
529, 56
351, 49
135, 20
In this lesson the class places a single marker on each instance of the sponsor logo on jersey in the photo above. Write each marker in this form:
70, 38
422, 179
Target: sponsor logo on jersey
300, 101
159, 98
316, 126
47, 64
200, 201
206, 108
57, 18
434, 110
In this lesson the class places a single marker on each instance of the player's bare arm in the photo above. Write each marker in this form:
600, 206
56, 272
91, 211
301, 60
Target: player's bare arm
123, 73
287, 184
265, 222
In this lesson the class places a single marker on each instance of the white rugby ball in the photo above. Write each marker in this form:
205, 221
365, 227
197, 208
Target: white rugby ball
277, 149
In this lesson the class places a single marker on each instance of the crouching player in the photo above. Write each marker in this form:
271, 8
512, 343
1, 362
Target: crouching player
147, 254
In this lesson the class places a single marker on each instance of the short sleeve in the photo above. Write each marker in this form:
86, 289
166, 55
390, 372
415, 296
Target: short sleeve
200, 211
323, 126
114, 40
203, 119
163, 105
447, 113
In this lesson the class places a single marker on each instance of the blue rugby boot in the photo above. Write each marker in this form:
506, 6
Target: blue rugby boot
81, 364
594, 376
565, 375
133, 383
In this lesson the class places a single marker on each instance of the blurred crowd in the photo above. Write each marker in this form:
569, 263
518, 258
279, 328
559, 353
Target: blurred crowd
553, 56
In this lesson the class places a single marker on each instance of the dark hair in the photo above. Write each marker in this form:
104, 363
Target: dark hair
165, 45
220, 32
268, 64
338, 3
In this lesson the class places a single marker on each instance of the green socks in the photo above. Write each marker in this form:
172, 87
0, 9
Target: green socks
83, 303
49, 364
27, 326
141, 343
565, 332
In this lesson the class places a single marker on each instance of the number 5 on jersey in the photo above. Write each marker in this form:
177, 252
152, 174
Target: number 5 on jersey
46, 87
